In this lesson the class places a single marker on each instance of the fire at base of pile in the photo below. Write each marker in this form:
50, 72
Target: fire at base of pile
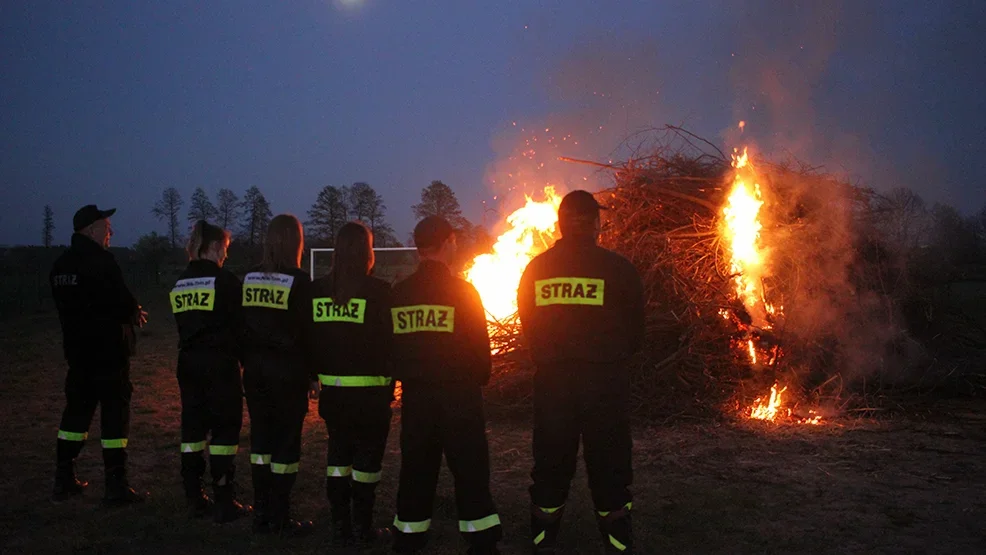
809, 322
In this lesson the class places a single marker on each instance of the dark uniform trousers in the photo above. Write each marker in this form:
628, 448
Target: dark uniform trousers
357, 420
449, 418
87, 386
211, 402
587, 401
277, 401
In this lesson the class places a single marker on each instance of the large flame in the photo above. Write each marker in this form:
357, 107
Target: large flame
742, 232
496, 275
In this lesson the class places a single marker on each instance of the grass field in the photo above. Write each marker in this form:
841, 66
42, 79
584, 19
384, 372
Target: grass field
906, 484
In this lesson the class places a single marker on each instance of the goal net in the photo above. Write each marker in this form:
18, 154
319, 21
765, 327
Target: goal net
392, 263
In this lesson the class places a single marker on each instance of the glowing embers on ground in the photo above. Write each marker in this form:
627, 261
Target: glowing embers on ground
496, 275
772, 408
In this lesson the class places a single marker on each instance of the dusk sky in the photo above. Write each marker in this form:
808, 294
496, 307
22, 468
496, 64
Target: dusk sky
111, 102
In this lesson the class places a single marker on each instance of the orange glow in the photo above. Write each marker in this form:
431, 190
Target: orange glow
496, 275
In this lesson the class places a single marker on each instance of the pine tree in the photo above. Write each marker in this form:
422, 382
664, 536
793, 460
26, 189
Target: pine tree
48, 229
438, 199
167, 209
227, 208
200, 207
256, 216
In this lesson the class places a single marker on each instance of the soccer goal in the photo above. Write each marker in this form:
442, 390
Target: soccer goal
392, 263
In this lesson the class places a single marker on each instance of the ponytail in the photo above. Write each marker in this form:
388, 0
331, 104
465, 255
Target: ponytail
202, 237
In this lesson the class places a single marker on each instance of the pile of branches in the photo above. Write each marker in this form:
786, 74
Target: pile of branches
665, 215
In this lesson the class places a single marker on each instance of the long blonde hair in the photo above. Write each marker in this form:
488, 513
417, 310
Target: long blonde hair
284, 244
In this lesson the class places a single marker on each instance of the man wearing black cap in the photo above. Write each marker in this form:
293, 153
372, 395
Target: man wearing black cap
582, 311
97, 314
442, 358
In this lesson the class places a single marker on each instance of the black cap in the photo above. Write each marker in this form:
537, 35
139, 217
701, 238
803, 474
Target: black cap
88, 215
431, 232
579, 204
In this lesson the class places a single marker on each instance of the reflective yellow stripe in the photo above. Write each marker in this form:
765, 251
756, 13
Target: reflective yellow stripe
423, 317
338, 471
550, 510
569, 290
281, 468
412, 527
324, 310
114, 443
353, 381
256, 458
193, 447
222, 449
72, 436
366, 477
628, 506
484, 523
539, 538
616, 543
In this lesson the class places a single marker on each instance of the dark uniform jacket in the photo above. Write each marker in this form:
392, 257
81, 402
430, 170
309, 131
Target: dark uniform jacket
439, 326
352, 339
277, 318
95, 307
206, 304
582, 303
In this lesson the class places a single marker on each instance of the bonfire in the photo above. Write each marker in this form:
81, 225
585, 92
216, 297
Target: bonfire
734, 305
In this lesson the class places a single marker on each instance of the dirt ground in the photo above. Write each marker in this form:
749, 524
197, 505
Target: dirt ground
906, 484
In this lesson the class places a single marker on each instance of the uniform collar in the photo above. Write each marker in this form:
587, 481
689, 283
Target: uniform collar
204, 263
85, 243
433, 267
576, 241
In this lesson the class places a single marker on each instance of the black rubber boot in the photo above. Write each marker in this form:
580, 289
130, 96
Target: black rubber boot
616, 530
66, 484
281, 522
227, 508
364, 497
544, 530
118, 490
261, 475
338, 489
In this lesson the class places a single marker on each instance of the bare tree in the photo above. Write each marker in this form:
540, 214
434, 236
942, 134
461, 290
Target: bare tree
227, 208
167, 209
438, 199
903, 218
367, 206
48, 228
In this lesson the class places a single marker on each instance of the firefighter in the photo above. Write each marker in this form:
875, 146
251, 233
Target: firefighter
206, 305
97, 313
442, 358
352, 326
277, 372
582, 313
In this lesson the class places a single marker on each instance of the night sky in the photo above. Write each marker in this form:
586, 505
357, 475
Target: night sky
111, 102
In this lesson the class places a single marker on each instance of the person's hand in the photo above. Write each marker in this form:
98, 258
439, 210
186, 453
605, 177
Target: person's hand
141, 317
313, 389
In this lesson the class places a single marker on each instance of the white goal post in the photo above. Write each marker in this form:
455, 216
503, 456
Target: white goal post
311, 255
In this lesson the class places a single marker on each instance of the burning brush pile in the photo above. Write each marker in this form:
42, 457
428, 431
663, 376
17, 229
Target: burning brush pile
747, 269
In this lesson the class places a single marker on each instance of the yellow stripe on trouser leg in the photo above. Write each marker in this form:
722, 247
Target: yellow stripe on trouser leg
412, 527
366, 477
72, 436
338, 471
479, 525
605, 514
284, 468
193, 446
616, 543
257, 458
223, 449
119, 443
